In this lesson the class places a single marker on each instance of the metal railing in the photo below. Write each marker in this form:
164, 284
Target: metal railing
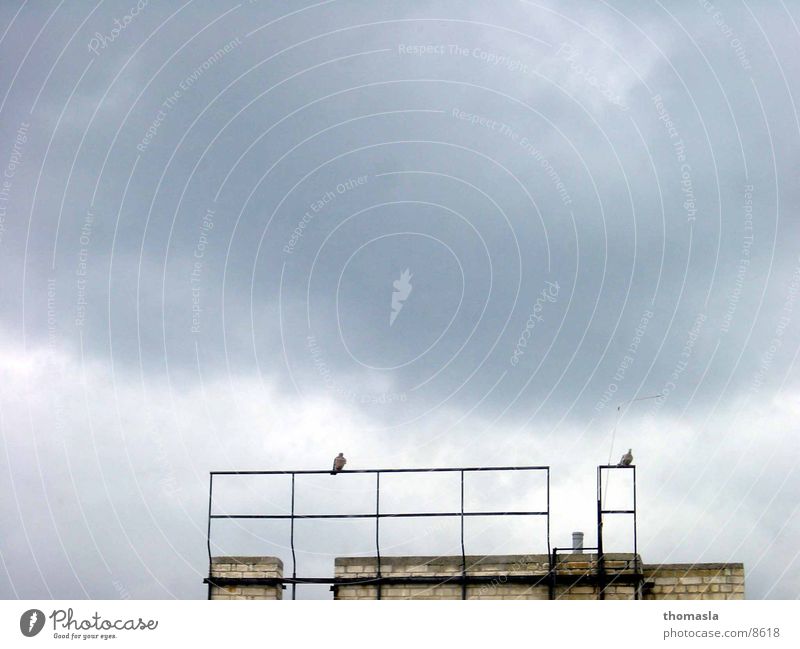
377, 515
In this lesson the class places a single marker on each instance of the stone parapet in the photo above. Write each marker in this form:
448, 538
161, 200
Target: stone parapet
527, 577
695, 581
241, 575
497, 577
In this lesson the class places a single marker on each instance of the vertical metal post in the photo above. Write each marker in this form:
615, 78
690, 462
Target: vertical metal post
638, 589
601, 563
208, 531
551, 555
463, 554
548, 511
291, 543
635, 526
599, 510
378, 530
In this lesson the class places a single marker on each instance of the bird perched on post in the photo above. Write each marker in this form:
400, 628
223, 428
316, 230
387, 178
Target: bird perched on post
338, 463
626, 459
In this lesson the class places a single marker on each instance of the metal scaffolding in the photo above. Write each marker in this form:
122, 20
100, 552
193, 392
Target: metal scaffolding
637, 575
377, 515
599, 577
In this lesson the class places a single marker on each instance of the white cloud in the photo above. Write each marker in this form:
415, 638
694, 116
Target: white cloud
118, 469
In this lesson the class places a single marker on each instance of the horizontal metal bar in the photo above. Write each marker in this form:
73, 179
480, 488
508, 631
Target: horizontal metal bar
346, 581
616, 466
573, 579
345, 471
380, 515
618, 511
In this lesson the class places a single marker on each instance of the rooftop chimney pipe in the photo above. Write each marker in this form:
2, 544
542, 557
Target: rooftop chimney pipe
577, 542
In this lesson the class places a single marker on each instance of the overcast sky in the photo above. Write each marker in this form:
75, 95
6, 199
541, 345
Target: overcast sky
252, 235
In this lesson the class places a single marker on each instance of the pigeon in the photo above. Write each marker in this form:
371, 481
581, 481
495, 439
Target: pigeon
626, 459
338, 463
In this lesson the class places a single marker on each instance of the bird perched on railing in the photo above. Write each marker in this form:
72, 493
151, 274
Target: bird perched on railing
626, 459
338, 463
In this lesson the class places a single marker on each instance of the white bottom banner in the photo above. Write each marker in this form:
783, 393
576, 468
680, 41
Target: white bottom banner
395, 624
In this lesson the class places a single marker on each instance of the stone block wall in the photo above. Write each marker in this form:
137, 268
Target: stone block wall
576, 578
497, 574
581, 568
244, 570
695, 581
